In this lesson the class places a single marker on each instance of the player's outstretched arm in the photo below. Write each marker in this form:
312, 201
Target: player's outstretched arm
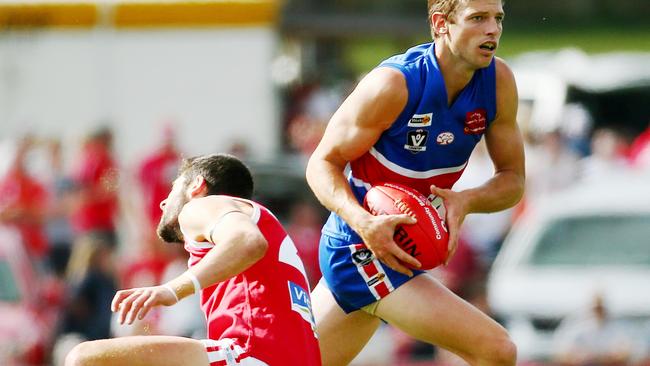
238, 245
358, 123
505, 146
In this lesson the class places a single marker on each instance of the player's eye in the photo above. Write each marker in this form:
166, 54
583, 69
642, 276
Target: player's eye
499, 18
477, 18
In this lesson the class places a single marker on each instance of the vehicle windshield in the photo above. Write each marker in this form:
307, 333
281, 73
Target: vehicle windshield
8, 289
595, 241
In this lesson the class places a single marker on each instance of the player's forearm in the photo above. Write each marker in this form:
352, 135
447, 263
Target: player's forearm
502, 191
332, 189
224, 261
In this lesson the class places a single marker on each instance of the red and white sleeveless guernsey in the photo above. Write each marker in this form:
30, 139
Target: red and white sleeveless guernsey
263, 315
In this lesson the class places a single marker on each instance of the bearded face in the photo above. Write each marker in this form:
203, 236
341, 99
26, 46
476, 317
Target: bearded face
169, 229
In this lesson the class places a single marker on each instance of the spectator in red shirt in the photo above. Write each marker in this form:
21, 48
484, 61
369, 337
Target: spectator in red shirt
95, 179
156, 174
23, 203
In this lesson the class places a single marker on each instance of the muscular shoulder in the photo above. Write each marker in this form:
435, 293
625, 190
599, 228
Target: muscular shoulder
209, 207
385, 82
506, 87
199, 215
381, 95
504, 76
211, 201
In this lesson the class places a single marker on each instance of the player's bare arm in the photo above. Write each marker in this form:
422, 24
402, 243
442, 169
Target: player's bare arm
371, 108
226, 223
505, 146
238, 245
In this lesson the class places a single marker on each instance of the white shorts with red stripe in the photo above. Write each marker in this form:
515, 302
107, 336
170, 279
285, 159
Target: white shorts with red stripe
353, 274
226, 352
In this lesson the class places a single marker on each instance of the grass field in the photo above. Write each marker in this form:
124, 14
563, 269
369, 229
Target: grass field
363, 54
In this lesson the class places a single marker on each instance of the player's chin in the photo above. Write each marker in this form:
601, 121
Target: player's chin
484, 60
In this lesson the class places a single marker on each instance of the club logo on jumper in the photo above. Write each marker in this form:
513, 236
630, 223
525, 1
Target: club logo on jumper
421, 120
475, 122
375, 279
416, 140
362, 257
301, 303
445, 138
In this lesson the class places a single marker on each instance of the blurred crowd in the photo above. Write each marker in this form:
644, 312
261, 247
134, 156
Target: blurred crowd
68, 220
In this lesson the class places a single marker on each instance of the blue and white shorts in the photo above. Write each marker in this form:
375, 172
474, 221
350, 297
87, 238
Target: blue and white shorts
353, 274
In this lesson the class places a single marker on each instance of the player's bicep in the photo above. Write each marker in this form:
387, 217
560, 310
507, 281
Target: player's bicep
371, 108
503, 139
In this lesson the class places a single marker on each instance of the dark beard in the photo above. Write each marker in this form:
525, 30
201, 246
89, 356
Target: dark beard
170, 232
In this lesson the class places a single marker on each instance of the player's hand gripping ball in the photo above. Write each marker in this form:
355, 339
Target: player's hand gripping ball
425, 240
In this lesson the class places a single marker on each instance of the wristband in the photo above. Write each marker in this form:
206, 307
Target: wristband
172, 291
195, 282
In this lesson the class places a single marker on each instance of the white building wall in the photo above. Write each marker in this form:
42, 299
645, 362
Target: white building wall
213, 82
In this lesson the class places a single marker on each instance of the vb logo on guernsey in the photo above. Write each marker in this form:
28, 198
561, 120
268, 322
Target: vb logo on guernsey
301, 303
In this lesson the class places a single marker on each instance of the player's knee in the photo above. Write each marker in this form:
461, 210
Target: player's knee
78, 356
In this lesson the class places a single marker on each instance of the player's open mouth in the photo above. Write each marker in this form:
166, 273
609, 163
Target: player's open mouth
488, 46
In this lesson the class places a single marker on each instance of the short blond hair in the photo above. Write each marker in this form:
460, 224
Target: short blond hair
446, 7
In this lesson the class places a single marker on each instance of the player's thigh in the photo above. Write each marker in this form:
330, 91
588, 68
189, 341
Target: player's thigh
341, 336
139, 351
428, 311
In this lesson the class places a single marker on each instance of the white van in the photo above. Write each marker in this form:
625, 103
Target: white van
590, 239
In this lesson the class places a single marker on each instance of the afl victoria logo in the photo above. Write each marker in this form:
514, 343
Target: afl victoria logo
416, 140
445, 138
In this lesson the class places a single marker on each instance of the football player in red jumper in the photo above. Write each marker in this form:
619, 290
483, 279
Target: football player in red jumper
252, 283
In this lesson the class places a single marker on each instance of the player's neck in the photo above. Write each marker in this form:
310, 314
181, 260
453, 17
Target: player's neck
455, 72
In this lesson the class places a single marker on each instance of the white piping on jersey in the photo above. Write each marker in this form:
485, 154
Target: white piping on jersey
200, 245
255, 216
196, 244
359, 183
413, 173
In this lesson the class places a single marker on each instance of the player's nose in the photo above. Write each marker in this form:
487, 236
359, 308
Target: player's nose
163, 203
493, 27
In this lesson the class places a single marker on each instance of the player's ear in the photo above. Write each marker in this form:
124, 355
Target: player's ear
198, 187
439, 23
